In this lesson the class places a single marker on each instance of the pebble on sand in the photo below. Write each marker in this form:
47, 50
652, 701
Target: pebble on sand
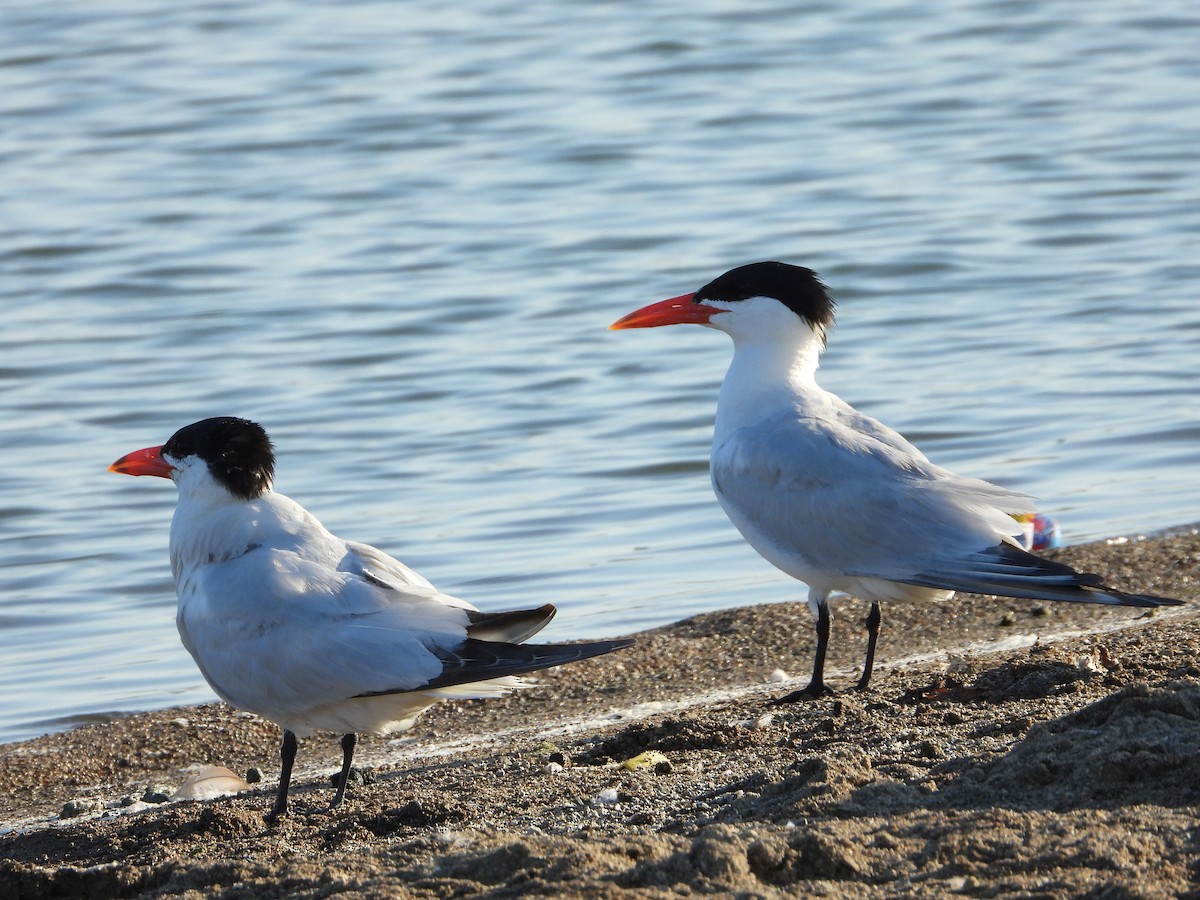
80, 807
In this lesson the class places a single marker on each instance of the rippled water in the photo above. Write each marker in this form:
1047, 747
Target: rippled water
395, 234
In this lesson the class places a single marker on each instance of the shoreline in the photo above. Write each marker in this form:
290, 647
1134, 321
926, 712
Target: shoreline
1005, 747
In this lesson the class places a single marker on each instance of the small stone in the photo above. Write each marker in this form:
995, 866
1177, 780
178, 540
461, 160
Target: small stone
254, 775
957, 665
608, 797
558, 757
157, 793
554, 768
80, 807
929, 750
764, 722
1009, 618
778, 677
355, 776
180, 723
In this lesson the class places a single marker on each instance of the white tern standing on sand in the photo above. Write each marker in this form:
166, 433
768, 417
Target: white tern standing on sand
308, 630
833, 497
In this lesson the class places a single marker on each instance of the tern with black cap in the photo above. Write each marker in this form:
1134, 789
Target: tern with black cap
835, 498
310, 631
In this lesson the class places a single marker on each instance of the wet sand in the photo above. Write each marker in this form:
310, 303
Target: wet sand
1007, 748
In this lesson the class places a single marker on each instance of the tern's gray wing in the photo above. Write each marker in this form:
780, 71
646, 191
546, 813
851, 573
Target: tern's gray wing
851, 501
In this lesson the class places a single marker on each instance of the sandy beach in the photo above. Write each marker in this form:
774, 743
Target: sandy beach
1007, 748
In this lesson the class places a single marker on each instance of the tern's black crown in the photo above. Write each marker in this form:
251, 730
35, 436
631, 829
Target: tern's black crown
797, 288
238, 452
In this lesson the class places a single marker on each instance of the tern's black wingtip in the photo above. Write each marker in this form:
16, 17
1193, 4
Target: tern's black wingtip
599, 648
1149, 601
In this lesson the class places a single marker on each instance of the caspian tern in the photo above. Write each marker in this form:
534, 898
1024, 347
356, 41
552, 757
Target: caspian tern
835, 498
310, 631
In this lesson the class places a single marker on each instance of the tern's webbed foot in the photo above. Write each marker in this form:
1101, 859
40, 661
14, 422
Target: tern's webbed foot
863, 685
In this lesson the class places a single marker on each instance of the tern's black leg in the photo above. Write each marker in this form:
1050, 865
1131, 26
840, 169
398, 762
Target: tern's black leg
287, 757
348, 742
872, 626
816, 687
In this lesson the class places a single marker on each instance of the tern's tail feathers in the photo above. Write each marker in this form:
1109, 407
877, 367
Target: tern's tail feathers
475, 660
1009, 571
511, 627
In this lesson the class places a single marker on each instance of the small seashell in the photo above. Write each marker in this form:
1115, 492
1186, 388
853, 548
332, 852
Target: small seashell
210, 782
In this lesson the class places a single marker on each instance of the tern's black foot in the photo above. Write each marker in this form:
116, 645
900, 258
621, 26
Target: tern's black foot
863, 685
273, 816
812, 692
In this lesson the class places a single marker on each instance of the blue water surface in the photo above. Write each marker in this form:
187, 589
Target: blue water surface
396, 233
